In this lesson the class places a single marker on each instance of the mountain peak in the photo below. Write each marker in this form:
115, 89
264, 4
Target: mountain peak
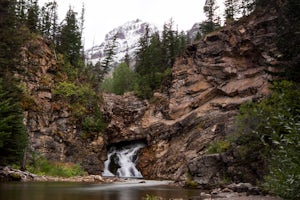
128, 36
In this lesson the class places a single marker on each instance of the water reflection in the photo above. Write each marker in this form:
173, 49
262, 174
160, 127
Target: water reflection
80, 191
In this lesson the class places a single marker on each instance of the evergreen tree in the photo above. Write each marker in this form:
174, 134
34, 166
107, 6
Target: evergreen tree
141, 53
212, 22
123, 79
182, 43
289, 41
81, 23
109, 53
13, 137
70, 39
169, 40
10, 38
198, 35
155, 57
33, 16
231, 10
49, 18
247, 7
21, 11
127, 57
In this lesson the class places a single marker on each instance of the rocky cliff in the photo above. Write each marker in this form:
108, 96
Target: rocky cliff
51, 126
209, 83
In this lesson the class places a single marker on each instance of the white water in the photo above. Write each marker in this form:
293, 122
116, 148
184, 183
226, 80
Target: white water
125, 158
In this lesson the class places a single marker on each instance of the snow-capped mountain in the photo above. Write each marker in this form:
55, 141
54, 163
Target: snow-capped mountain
192, 33
127, 39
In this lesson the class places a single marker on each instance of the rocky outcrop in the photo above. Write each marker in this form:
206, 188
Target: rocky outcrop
49, 121
124, 114
216, 75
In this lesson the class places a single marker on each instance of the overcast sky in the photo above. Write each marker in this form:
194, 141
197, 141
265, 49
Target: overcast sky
101, 16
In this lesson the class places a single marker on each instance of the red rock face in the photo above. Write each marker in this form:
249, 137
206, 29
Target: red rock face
217, 75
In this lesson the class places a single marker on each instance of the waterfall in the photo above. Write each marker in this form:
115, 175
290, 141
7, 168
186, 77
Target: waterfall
121, 161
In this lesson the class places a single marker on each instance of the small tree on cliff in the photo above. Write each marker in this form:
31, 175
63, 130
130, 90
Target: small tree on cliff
70, 44
231, 10
211, 23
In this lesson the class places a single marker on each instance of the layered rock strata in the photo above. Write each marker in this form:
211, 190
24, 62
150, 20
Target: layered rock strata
209, 83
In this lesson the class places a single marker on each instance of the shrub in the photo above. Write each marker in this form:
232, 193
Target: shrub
84, 105
271, 129
123, 80
94, 123
151, 197
41, 166
73, 91
218, 146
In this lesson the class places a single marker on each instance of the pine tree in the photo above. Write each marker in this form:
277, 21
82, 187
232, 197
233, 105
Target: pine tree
155, 57
211, 23
141, 54
13, 137
182, 44
49, 18
21, 11
231, 10
10, 39
69, 43
247, 7
198, 35
109, 53
169, 40
288, 40
33, 16
127, 57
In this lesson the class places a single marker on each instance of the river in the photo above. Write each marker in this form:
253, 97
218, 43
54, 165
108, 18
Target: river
129, 190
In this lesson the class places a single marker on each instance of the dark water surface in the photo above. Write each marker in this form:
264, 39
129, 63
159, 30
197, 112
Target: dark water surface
131, 190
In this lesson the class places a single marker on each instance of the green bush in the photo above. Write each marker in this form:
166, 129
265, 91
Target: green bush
147, 84
79, 92
41, 166
151, 197
84, 105
107, 85
218, 146
271, 130
94, 123
123, 80
189, 182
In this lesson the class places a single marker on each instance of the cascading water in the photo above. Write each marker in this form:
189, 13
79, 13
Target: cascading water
121, 161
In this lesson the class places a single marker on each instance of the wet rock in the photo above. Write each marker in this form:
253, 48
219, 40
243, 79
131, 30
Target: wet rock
245, 187
10, 174
207, 170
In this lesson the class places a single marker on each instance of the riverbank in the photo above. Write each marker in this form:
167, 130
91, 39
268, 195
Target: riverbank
241, 191
10, 174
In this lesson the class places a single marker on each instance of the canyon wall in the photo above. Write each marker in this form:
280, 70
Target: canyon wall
209, 83
52, 130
